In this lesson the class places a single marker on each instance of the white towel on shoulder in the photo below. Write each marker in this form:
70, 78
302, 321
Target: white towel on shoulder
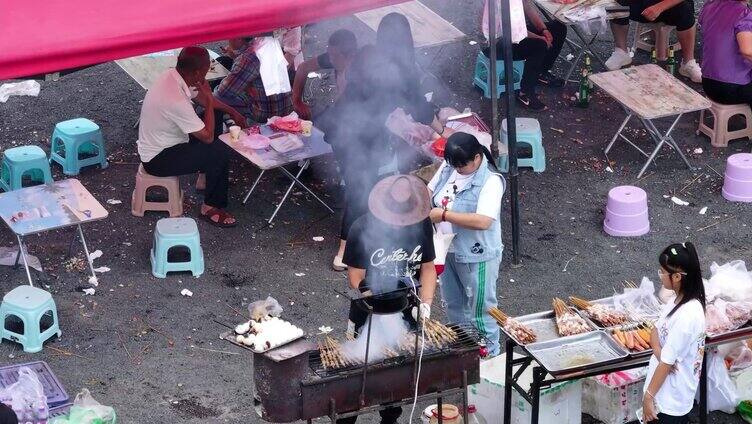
273, 67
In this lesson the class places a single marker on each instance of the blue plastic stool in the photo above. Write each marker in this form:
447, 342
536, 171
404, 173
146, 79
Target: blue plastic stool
481, 76
528, 132
29, 304
73, 137
21, 160
173, 232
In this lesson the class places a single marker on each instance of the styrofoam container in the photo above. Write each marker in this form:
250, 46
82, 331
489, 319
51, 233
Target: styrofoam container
559, 404
612, 405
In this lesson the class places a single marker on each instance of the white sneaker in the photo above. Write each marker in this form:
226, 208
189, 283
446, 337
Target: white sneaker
619, 59
691, 70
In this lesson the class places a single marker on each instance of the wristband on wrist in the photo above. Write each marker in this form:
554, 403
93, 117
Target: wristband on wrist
647, 392
443, 215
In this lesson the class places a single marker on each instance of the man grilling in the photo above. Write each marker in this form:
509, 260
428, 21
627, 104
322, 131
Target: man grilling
393, 242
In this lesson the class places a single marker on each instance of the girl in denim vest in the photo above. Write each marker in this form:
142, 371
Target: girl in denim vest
466, 194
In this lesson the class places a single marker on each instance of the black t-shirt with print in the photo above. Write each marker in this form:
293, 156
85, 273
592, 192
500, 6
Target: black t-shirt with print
388, 253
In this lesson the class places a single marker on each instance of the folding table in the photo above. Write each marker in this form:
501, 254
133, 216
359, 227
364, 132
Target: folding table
46, 207
650, 93
567, 15
267, 159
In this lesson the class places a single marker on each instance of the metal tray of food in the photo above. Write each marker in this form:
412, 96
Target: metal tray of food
543, 325
744, 330
575, 353
606, 301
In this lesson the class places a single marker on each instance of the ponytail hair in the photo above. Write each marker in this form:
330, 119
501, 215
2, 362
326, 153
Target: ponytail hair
461, 148
682, 258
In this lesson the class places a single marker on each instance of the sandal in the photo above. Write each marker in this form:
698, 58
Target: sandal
221, 220
338, 265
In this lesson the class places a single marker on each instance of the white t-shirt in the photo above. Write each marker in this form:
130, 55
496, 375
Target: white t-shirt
489, 200
167, 116
682, 338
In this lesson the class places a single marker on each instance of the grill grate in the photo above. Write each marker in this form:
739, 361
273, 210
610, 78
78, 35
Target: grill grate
468, 337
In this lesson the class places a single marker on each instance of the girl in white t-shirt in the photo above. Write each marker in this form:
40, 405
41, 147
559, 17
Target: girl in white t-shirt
678, 339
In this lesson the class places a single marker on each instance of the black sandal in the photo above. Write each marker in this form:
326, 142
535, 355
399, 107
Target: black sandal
222, 217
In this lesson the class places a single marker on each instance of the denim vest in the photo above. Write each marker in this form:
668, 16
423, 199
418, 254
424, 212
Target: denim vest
473, 246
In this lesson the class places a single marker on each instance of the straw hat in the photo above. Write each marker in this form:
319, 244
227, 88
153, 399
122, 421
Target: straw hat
400, 200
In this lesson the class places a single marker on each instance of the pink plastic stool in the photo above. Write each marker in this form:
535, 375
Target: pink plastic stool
626, 212
139, 204
737, 185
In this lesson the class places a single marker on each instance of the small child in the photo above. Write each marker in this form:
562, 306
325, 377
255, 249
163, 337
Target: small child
678, 339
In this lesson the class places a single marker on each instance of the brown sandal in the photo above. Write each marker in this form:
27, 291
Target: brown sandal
222, 217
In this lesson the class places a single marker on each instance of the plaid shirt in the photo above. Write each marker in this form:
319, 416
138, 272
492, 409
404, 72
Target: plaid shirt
244, 90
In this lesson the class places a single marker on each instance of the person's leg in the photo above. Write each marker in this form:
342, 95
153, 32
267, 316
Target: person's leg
745, 94
216, 169
484, 275
559, 33
533, 52
671, 419
620, 30
453, 293
390, 415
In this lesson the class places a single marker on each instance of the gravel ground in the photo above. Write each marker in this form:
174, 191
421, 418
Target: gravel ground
154, 355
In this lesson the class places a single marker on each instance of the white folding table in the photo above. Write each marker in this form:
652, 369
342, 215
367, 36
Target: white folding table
649, 93
46, 207
268, 159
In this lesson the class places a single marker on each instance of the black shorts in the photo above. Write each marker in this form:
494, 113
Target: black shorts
681, 16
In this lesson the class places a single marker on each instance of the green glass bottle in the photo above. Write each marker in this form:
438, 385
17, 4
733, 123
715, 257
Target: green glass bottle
654, 57
671, 62
589, 69
583, 93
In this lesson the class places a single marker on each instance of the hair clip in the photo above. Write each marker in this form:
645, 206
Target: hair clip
673, 251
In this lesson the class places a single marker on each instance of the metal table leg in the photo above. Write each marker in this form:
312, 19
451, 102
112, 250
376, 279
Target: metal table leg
538, 375
583, 49
660, 141
296, 180
253, 187
509, 351
86, 251
23, 256
618, 133
704, 390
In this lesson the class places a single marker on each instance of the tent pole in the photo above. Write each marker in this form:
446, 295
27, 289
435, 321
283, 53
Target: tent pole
506, 29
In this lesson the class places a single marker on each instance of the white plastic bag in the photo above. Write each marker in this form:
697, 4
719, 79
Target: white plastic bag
729, 281
27, 396
86, 410
262, 308
23, 88
591, 20
740, 358
722, 395
401, 124
640, 302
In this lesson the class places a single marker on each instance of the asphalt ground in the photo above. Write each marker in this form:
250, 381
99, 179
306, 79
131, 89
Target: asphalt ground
155, 355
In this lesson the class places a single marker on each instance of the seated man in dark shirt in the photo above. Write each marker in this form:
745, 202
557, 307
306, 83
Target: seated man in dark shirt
392, 242
339, 53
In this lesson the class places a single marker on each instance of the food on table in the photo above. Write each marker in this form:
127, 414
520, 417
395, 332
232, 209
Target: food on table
739, 313
266, 334
253, 129
437, 147
567, 321
608, 317
438, 333
287, 124
716, 320
516, 329
243, 328
634, 338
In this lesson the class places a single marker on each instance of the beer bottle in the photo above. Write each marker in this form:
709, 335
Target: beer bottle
654, 57
589, 69
671, 62
583, 95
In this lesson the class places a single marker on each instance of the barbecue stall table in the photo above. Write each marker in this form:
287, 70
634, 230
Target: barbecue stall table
267, 159
544, 378
46, 207
650, 93
572, 16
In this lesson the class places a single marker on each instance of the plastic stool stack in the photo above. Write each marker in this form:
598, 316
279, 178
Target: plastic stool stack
626, 212
719, 133
29, 304
139, 204
528, 132
73, 137
481, 77
175, 232
661, 37
18, 161
737, 183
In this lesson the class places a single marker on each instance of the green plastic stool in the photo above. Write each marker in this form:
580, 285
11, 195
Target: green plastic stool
481, 75
528, 132
19, 161
174, 232
73, 137
29, 304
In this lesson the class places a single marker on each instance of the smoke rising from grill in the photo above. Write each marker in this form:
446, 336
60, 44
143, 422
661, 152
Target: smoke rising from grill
386, 333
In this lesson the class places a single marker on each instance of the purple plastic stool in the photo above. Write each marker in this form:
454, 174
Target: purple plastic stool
626, 212
737, 185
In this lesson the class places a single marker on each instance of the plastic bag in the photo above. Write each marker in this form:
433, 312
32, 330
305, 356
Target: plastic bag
739, 313
404, 126
263, 308
620, 378
591, 20
26, 397
640, 302
23, 88
722, 394
729, 281
716, 321
740, 358
86, 410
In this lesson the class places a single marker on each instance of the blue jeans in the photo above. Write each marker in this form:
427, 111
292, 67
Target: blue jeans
469, 290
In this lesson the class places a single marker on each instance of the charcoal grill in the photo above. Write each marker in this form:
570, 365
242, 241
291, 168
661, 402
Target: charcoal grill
292, 384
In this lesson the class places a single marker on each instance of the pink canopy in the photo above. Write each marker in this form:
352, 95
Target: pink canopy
52, 35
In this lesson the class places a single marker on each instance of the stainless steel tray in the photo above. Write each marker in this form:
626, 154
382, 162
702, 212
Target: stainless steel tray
744, 330
608, 302
575, 353
543, 325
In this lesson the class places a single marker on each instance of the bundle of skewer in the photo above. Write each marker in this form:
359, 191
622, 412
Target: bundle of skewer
605, 315
567, 321
516, 329
438, 333
332, 356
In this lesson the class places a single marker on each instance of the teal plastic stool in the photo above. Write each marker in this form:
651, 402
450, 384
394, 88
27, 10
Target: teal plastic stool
29, 304
74, 137
19, 161
481, 75
173, 232
528, 132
